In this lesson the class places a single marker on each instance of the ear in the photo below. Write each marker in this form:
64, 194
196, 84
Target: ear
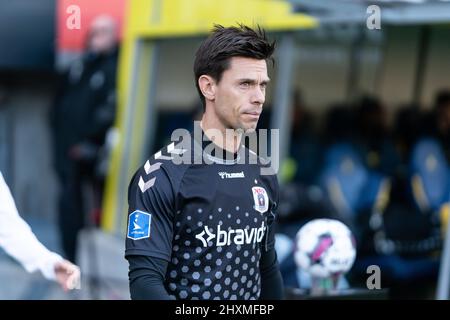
208, 87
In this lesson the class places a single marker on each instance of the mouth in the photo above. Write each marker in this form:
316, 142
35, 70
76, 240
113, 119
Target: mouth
252, 114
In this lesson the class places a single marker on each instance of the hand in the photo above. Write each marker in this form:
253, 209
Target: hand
83, 151
67, 275
75, 152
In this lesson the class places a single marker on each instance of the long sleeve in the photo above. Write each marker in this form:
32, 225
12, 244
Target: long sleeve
271, 281
146, 277
18, 240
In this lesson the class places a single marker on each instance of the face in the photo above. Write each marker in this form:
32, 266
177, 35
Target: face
444, 119
240, 94
102, 35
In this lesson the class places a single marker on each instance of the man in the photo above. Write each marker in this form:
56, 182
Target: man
84, 111
17, 239
205, 230
442, 118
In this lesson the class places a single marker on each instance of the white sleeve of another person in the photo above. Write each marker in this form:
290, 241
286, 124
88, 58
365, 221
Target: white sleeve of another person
17, 239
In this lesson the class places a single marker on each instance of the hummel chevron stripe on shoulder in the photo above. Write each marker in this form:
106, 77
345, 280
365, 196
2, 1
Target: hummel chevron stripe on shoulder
171, 150
150, 168
145, 185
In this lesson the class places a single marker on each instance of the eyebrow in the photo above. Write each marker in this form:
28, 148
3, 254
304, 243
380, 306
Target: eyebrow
253, 81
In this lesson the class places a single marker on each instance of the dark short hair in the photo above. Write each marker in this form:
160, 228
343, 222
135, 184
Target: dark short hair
213, 55
442, 98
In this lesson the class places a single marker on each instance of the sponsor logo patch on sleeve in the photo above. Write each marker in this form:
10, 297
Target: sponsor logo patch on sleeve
139, 223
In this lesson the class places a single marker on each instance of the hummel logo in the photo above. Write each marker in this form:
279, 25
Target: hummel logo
226, 175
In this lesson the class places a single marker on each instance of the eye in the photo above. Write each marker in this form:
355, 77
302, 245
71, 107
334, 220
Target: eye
263, 86
245, 84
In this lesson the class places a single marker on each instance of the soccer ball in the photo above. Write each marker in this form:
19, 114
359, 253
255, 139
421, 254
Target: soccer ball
325, 248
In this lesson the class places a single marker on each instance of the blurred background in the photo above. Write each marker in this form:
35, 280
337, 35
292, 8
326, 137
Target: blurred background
360, 92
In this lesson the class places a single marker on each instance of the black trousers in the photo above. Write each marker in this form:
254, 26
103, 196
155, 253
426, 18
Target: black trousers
80, 196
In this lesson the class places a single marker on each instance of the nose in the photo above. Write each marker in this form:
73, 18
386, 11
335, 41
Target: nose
258, 96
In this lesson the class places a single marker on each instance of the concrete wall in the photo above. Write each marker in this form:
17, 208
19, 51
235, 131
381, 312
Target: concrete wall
387, 67
398, 69
437, 73
26, 150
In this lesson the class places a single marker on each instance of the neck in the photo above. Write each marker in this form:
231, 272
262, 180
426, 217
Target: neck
226, 138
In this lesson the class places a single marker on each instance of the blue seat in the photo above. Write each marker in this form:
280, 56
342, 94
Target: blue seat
348, 183
429, 174
412, 254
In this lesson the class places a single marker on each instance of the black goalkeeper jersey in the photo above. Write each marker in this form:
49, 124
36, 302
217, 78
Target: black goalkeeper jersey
209, 220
